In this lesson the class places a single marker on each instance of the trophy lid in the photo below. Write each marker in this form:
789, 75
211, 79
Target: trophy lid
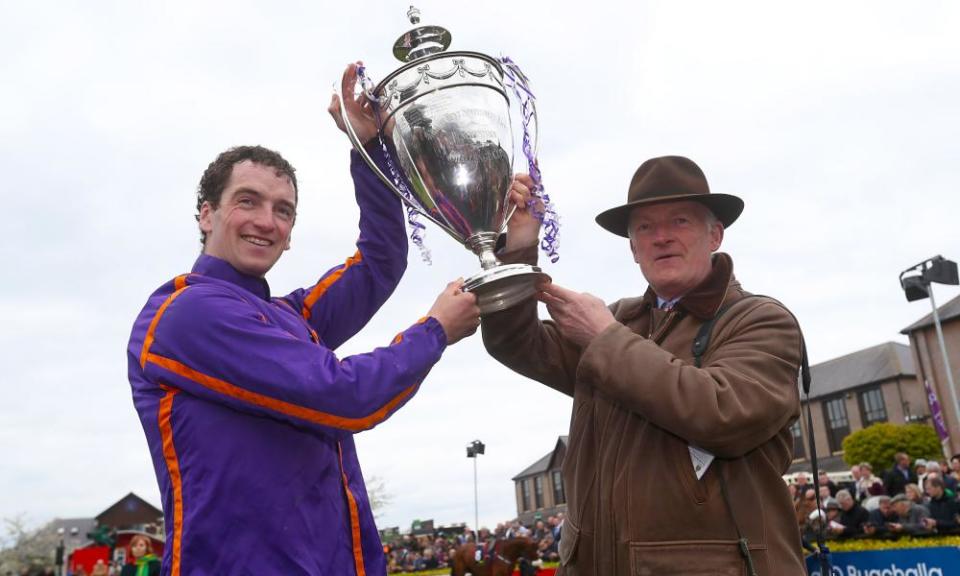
421, 41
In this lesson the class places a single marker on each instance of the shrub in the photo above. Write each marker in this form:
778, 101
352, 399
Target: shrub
878, 443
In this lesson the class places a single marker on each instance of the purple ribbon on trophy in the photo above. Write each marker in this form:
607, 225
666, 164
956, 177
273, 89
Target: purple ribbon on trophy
416, 227
518, 82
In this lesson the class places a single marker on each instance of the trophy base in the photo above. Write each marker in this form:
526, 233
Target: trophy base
503, 286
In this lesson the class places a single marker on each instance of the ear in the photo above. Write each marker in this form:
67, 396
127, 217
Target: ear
286, 244
634, 250
716, 236
206, 218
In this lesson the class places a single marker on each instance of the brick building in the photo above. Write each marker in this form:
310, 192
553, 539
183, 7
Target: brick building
539, 488
929, 362
851, 392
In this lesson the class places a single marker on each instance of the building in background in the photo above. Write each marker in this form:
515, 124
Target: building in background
929, 362
877, 384
539, 487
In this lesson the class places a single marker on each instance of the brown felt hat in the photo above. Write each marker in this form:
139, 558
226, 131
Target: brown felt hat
670, 179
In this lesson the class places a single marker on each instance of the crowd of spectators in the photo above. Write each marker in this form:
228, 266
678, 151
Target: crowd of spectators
425, 552
912, 498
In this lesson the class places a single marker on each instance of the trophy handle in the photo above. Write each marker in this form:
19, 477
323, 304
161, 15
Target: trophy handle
358, 146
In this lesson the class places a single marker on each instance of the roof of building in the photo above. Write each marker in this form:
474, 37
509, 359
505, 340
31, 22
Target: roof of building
947, 312
870, 365
545, 463
131, 510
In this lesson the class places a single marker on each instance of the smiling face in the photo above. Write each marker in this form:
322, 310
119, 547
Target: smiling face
673, 242
250, 228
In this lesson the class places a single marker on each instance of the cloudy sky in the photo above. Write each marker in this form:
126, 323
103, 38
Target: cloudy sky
838, 124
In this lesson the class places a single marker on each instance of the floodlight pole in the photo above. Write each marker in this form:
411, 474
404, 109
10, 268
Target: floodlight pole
943, 352
476, 502
474, 450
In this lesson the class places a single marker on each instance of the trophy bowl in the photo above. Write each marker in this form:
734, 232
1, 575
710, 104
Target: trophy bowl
452, 133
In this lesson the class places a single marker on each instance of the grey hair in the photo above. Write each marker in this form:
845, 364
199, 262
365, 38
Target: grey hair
843, 495
711, 219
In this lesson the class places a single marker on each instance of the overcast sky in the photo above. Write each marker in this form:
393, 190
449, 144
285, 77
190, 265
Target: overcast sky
837, 123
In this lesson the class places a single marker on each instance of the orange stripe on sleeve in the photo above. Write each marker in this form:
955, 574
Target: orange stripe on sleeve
295, 410
354, 519
173, 468
180, 283
399, 337
325, 284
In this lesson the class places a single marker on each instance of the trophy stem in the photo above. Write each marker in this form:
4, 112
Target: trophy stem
482, 245
499, 286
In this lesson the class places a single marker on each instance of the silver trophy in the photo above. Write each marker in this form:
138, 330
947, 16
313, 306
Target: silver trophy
452, 133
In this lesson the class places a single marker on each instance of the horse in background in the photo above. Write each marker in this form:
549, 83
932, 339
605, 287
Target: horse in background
500, 563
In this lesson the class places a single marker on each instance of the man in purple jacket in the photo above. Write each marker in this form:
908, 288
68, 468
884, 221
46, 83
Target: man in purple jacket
248, 412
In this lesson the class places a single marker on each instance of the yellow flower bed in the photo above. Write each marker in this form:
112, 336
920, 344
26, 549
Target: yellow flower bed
862, 545
446, 571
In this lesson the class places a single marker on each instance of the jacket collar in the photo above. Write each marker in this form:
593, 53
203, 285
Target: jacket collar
704, 300
214, 267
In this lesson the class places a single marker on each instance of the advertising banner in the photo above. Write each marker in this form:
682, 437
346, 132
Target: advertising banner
940, 561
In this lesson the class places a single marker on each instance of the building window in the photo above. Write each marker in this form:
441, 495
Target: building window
838, 426
538, 491
558, 496
798, 449
525, 484
872, 407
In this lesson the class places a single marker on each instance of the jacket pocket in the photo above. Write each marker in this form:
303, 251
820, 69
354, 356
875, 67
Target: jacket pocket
695, 488
569, 539
691, 558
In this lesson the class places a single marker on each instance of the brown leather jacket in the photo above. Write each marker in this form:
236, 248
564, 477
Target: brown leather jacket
635, 505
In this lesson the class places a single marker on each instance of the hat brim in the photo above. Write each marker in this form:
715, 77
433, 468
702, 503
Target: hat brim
726, 207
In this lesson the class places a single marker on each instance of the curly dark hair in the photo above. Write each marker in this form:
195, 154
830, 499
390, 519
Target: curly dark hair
215, 177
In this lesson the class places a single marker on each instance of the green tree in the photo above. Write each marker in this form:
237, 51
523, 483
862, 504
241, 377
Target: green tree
878, 443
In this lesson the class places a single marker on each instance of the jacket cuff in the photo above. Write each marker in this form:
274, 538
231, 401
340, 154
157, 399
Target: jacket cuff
435, 329
525, 255
375, 151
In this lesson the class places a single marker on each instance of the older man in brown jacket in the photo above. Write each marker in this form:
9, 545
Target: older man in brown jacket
670, 465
